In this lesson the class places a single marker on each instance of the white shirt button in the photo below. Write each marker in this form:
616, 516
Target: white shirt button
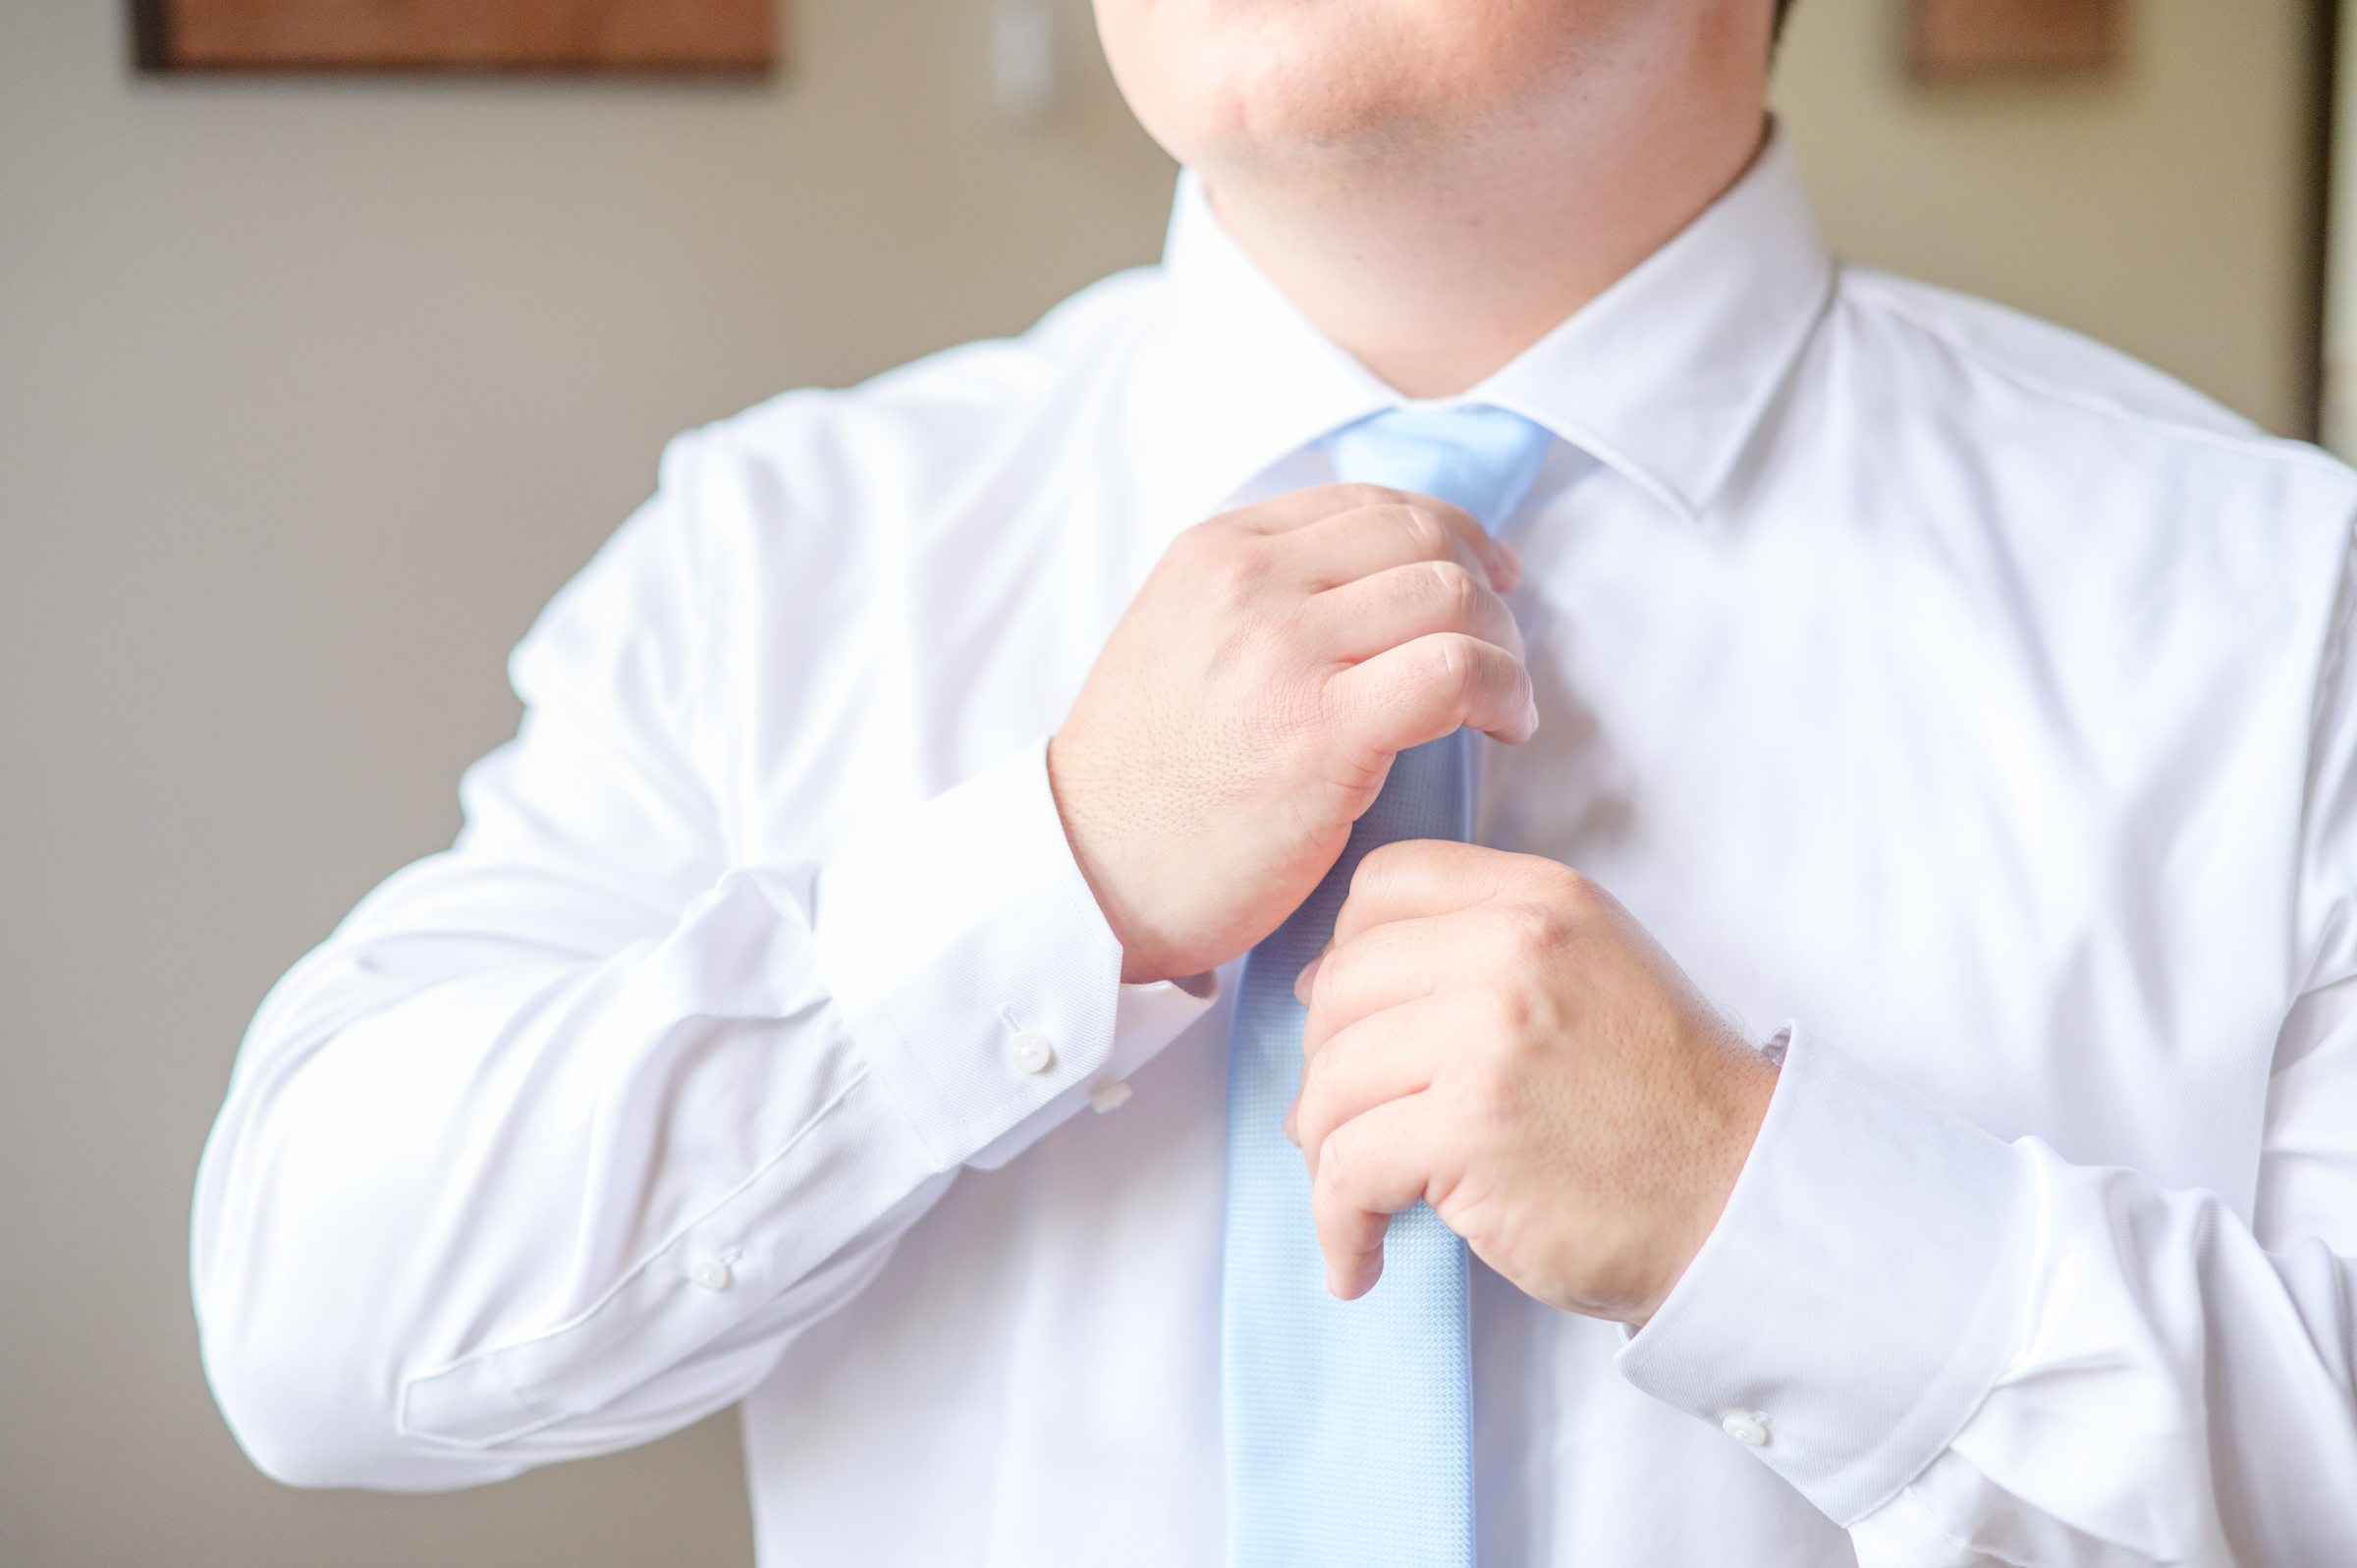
1031, 1052
1108, 1095
710, 1273
1745, 1428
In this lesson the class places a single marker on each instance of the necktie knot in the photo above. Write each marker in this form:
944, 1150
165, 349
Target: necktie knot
1474, 455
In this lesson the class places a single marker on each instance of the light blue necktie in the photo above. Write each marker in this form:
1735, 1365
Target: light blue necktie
1350, 1425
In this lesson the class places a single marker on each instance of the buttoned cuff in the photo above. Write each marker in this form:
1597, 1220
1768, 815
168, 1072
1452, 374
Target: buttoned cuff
977, 975
1861, 1291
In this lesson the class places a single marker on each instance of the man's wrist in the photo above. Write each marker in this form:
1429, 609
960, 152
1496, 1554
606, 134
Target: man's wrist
1744, 1084
1859, 1293
1140, 965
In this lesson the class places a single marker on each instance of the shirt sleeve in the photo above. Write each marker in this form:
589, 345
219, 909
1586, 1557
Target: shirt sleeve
1972, 1352
563, 1132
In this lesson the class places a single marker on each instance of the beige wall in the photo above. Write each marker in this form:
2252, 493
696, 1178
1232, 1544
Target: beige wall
311, 391
2163, 206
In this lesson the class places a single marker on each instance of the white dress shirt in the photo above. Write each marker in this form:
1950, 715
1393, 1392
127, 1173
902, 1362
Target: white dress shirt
1974, 700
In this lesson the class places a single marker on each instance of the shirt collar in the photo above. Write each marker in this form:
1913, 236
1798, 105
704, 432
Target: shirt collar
1663, 377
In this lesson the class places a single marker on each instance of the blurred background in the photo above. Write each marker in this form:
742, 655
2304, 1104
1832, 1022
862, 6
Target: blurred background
314, 389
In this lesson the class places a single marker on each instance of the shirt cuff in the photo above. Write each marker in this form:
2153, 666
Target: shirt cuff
1860, 1293
976, 972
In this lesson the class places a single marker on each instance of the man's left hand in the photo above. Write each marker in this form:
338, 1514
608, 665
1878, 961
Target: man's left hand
1493, 1034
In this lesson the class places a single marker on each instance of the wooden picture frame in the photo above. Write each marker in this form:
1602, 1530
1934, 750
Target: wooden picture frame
2328, 260
1962, 38
621, 36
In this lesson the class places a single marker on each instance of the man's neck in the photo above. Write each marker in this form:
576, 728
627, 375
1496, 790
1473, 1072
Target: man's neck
1435, 271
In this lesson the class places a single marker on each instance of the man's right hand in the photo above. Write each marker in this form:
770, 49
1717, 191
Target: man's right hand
1246, 709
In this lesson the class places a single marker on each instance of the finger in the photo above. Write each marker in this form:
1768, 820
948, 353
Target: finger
1399, 604
1368, 1170
1299, 508
1413, 877
1344, 546
1424, 689
1380, 1059
1306, 981
1280, 517
1389, 966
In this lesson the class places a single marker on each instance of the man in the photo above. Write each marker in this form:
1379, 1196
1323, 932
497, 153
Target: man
794, 1023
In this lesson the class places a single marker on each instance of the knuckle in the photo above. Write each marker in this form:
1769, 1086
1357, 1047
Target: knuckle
1490, 1097
1506, 1013
1377, 867
1316, 1072
1308, 1128
1238, 559
1330, 1190
1533, 929
1423, 530
1574, 891
1203, 539
1453, 590
1517, 1064
1330, 984
1356, 495
1458, 660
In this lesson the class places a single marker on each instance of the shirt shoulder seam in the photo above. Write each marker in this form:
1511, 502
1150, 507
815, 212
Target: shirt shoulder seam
1863, 290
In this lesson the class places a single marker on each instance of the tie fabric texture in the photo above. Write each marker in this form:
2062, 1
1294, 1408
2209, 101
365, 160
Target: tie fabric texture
1350, 1425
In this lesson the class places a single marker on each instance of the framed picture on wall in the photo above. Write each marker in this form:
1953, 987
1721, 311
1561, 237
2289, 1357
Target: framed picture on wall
556, 35
1952, 38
